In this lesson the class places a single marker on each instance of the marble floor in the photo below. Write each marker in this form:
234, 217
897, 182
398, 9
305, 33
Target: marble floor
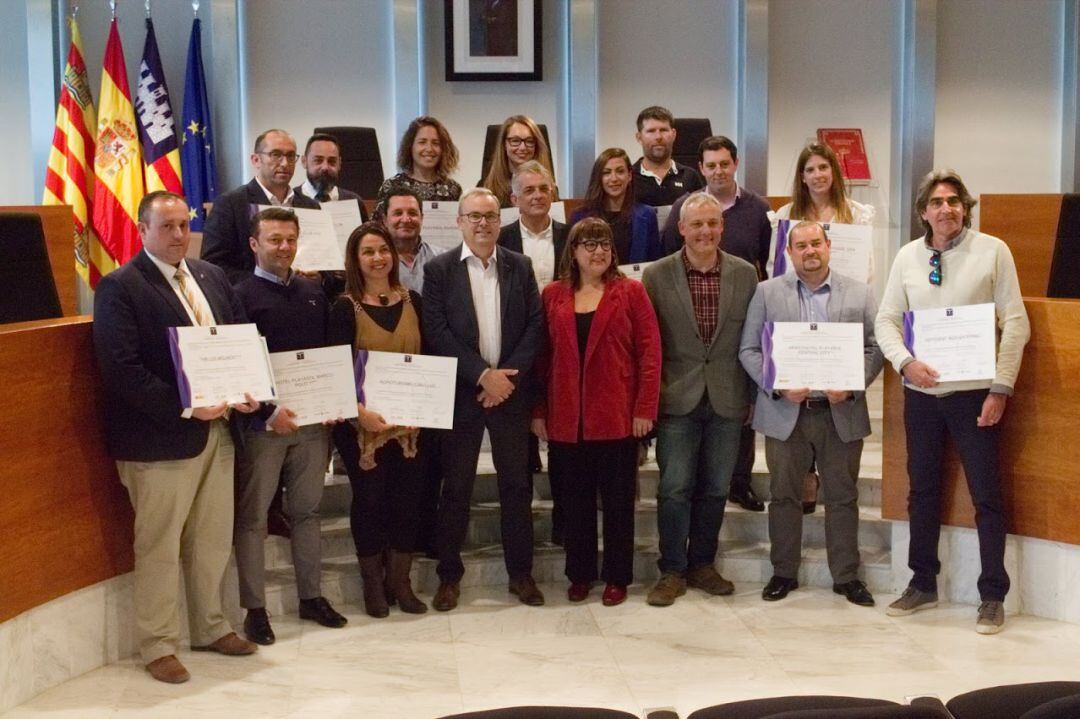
494, 652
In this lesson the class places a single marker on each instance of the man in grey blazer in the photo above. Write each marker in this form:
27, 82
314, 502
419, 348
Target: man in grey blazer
700, 294
803, 425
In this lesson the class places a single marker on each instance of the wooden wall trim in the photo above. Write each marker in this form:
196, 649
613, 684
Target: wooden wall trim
1028, 225
59, 226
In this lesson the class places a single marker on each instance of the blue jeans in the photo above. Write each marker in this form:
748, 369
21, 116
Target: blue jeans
690, 505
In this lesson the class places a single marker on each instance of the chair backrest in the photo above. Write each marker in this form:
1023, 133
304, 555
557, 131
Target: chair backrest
361, 161
1065, 267
689, 132
759, 708
538, 712
1063, 708
896, 712
27, 287
489, 147
1009, 701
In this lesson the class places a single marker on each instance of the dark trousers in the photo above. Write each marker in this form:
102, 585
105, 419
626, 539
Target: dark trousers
385, 498
744, 463
508, 427
430, 456
927, 421
611, 467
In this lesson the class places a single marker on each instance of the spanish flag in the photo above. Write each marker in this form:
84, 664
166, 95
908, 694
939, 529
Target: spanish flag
117, 165
67, 178
161, 153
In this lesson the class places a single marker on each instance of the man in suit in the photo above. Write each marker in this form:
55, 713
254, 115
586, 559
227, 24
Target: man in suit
176, 463
226, 233
481, 306
322, 164
801, 426
536, 234
700, 295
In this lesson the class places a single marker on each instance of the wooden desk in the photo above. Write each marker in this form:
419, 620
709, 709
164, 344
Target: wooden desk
59, 227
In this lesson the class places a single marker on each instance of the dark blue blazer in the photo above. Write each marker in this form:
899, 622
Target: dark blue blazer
133, 309
510, 238
644, 233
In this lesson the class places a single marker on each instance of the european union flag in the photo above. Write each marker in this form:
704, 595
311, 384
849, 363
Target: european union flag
197, 141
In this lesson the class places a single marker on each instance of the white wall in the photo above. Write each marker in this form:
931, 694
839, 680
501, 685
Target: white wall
999, 94
16, 181
681, 55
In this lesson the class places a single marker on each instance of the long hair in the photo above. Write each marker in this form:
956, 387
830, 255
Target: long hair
591, 228
354, 278
801, 204
929, 184
448, 161
594, 195
498, 177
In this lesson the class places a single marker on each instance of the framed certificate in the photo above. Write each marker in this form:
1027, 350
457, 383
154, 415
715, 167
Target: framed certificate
219, 364
812, 355
316, 384
408, 390
959, 343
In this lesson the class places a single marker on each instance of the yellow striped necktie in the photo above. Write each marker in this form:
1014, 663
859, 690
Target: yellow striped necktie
202, 317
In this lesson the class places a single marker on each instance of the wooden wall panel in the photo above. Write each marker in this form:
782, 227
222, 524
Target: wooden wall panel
1028, 224
1040, 448
59, 228
67, 520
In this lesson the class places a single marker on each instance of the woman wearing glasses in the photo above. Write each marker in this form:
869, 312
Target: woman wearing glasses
951, 266
610, 196
601, 370
426, 157
519, 140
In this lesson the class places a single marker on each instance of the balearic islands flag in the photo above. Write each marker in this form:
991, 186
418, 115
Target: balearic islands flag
197, 144
161, 154
68, 177
117, 165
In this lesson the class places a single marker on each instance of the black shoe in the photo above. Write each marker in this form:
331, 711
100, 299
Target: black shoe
257, 627
809, 507
856, 593
747, 500
778, 588
319, 610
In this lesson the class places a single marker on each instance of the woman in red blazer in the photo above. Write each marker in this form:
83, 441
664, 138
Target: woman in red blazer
601, 367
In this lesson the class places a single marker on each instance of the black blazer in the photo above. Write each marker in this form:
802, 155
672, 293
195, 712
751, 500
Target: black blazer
228, 227
133, 309
510, 238
449, 320
343, 194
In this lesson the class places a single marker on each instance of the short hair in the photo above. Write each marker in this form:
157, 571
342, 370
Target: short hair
401, 191
148, 200
272, 214
801, 203
714, 143
475, 192
806, 225
321, 137
532, 167
262, 138
354, 277
700, 199
926, 188
655, 112
590, 228
448, 161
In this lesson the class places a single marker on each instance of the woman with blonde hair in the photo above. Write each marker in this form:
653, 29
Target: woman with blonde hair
519, 141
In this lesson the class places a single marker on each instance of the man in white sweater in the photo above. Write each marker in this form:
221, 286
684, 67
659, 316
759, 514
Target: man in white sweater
952, 266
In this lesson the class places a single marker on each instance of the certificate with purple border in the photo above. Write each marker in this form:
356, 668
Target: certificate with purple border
220, 364
959, 343
407, 390
813, 355
851, 249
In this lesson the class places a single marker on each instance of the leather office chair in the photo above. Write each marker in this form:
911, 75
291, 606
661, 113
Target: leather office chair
29, 289
762, 708
538, 712
894, 712
1011, 701
489, 146
689, 132
361, 161
1065, 267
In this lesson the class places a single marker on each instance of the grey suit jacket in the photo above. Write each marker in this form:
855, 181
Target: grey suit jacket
689, 366
777, 300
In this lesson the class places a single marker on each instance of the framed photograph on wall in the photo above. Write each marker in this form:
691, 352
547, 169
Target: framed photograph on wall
493, 40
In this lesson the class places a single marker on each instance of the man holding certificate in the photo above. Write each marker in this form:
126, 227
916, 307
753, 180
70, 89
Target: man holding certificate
938, 278
811, 405
176, 463
291, 314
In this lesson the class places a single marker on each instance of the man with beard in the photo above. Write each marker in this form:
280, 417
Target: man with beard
658, 179
322, 163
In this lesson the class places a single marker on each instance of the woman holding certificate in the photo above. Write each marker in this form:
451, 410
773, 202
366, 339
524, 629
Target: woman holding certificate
601, 369
377, 313
426, 157
933, 284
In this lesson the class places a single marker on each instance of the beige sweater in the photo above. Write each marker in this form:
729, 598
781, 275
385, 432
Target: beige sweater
977, 269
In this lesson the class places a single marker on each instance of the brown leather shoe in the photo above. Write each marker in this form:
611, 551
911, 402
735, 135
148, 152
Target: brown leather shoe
526, 590
168, 669
446, 598
667, 589
707, 578
230, 645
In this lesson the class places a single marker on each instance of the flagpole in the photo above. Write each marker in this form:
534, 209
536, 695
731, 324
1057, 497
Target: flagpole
112, 8
195, 7
147, 5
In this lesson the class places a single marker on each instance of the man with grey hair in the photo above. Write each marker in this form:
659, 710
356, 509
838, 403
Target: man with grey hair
535, 234
700, 295
481, 306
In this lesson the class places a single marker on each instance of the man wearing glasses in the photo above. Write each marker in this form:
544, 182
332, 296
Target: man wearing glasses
951, 266
481, 306
225, 235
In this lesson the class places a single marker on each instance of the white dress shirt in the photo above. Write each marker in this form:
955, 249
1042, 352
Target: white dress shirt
308, 190
484, 284
272, 198
169, 272
540, 248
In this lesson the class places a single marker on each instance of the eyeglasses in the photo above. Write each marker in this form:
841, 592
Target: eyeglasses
594, 245
277, 156
529, 142
952, 201
935, 273
477, 217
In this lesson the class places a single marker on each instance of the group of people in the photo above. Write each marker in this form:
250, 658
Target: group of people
552, 342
